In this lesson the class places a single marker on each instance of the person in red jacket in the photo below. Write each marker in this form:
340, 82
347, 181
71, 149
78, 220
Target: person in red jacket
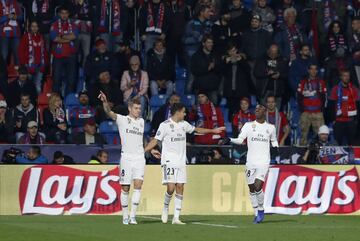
244, 115
207, 115
344, 101
33, 54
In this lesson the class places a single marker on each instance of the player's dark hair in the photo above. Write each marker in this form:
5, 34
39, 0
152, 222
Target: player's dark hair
36, 149
176, 107
134, 101
100, 152
271, 95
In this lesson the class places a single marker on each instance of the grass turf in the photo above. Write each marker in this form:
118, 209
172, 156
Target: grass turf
106, 228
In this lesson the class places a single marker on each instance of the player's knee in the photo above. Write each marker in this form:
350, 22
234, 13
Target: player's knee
180, 189
170, 189
258, 186
125, 188
252, 188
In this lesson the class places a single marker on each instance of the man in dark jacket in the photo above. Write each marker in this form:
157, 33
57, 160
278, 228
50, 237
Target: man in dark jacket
205, 67
237, 82
271, 73
89, 136
24, 113
21, 85
3, 76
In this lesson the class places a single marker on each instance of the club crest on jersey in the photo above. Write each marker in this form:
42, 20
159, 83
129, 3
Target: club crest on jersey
129, 120
267, 131
172, 126
253, 126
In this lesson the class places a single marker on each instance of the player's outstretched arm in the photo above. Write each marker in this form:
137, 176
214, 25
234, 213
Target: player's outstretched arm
150, 147
210, 131
106, 106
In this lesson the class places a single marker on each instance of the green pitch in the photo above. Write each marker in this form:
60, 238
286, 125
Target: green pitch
198, 228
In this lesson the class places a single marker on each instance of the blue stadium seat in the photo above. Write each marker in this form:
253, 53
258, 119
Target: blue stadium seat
228, 126
112, 139
223, 102
156, 101
71, 100
225, 112
147, 128
108, 127
188, 100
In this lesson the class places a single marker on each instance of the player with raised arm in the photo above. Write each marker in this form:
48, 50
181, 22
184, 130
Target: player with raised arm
172, 134
132, 163
258, 134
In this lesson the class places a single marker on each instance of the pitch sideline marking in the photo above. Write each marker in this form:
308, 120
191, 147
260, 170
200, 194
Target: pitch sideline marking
196, 223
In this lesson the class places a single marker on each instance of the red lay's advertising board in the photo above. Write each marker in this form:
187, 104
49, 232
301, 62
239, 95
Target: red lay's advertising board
211, 190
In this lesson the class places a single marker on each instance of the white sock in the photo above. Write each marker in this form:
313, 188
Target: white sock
254, 202
167, 200
135, 202
124, 199
178, 203
260, 199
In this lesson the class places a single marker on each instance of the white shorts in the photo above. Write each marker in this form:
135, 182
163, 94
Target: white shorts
173, 174
256, 173
130, 170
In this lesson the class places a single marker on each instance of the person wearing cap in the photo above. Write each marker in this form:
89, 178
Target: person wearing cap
89, 136
135, 83
207, 115
311, 156
100, 59
24, 113
266, 13
61, 159
55, 126
311, 96
244, 115
80, 113
21, 85
237, 82
33, 156
32, 136
161, 69
6, 124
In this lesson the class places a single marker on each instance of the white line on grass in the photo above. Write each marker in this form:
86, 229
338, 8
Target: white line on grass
196, 223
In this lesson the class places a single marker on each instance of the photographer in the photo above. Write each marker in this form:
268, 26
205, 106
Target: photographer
311, 155
212, 156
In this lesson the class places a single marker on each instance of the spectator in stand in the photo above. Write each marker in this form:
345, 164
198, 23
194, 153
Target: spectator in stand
83, 16
135, 83
299, 67
271, 73
117, 12
55, 127
179, 15
238, 16
336, 40
279, 12
290, 36
278, 119
311, 97
207, 115
79, 114
61, 159
192, 39
64, 33
32, 136
41, 11
6, 124
205, 66
113, 93
163, 113
21, 85
237, 82
244, 115
122, 58
33, 156
344, 104
354, 46
89, 136
255, 42
34, 55
161, 69
11, 18
154, 22
102, 157
23, 114
266, 13
99, 60
3, 76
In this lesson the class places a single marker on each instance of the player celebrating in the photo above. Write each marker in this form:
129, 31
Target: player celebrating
259, 134
132, 163
172, 133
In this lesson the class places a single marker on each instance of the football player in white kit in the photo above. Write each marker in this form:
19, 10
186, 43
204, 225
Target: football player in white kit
258, 134
132, 163
172, 134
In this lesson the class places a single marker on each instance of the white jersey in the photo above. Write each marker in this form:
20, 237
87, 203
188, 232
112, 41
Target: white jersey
173, 137
258, 137
131, 133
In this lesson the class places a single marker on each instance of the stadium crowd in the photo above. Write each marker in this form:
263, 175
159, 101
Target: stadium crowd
301, 58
